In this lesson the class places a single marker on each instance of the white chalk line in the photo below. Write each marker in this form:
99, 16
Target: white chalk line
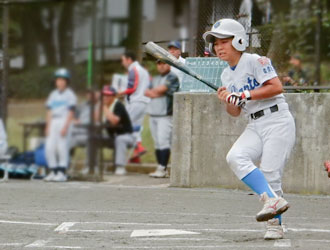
190, 247
11, 244
287, 218
282, 243
64, 227
27, 223
38, 243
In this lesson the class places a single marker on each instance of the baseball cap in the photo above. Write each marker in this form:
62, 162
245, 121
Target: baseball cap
109, 91
175, 44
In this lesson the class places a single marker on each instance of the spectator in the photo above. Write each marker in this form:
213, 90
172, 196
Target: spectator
79, 135
297, 75
160, 110
61, 104
174, 47
120, 127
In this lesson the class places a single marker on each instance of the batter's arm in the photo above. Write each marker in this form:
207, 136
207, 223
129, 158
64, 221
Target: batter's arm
269, 89
68, 121
48, 118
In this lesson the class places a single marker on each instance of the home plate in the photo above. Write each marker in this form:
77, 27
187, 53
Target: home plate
159, 232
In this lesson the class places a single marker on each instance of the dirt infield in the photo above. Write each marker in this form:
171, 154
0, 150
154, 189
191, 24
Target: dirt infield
136, 212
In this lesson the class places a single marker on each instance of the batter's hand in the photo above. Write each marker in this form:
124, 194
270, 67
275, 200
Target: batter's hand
222, 94
239, 99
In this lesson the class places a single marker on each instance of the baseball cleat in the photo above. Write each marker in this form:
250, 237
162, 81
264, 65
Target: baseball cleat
159, 173
120, 170
272, 207
60, 177
274, 230
327, 167
50, 176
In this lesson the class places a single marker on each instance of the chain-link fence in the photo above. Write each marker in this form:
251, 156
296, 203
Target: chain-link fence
277, 29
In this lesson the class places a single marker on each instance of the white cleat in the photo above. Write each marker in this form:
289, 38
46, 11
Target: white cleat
272, 207
274, 230
120, 170
159, 173
60, 177
50, 176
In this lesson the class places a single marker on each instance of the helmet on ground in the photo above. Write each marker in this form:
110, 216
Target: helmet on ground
62, 73
225, 28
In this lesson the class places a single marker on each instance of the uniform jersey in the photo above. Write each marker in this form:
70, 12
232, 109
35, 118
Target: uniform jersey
163, 106
138, 82
61, 102
250, 73
178, 72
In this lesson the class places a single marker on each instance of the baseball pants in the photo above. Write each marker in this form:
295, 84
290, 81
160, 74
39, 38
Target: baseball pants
122, 143
161, 131
136, 112
57, 146
268, 140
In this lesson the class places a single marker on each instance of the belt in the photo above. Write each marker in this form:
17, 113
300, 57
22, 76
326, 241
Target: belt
261, 113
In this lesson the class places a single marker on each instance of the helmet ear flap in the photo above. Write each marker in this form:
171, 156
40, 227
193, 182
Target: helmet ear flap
239, 43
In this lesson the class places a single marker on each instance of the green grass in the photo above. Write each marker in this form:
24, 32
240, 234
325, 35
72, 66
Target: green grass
34, 110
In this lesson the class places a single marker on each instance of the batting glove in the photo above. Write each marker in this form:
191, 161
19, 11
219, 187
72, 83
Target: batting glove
239, 99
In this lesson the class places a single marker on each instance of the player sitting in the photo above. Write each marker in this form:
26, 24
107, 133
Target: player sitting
251, 84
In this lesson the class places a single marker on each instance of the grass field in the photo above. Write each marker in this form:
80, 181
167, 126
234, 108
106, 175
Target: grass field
34, 110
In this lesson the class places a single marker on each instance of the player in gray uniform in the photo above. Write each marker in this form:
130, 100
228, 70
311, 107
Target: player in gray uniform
174, 47
3, 139
60, 104
160, 110
252, 85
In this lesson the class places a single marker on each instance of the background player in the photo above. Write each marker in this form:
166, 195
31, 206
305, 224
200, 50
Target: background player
136, 101
251, 84
60, 104
160, 110
174, 47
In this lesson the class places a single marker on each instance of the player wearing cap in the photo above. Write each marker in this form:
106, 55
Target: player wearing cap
160, 110
120, 127
136, 101
251, 85
174, 47
60, 105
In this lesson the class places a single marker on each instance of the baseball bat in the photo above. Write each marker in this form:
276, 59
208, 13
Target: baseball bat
160, 53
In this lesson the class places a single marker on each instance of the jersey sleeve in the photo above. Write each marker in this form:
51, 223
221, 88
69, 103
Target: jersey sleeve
133, 80
72, 101
119, 110
263, 69
172, 84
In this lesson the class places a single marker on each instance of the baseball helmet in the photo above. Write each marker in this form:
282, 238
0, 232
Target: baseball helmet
225, 28
62, 73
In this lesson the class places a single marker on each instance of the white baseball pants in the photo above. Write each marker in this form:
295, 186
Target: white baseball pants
57, 146
268, 141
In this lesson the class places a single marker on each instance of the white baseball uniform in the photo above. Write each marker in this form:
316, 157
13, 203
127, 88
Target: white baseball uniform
270, 134
57, 146
3, 139
136, 101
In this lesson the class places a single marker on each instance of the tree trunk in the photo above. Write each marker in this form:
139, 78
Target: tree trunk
30, 43
134, 39
65, 34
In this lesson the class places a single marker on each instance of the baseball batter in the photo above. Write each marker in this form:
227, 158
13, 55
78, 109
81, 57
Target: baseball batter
60, 104
251, 85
